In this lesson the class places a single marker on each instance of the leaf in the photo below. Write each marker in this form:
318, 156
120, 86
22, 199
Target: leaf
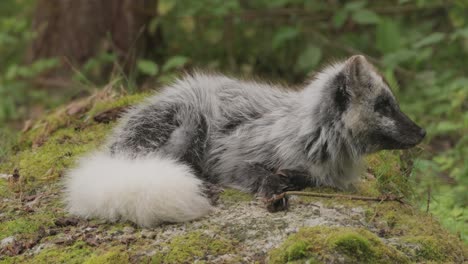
147, 67
340, 18
278, 3
460, 33
433, 38
165, 6
365, 17
391, 60
391, 79
447, 126
188, 24
174, 63
354, 6
456, 212
387, 36
309, 58
44, 64
153, 25
283, 35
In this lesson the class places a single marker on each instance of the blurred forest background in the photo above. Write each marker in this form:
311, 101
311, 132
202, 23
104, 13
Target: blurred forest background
54, 51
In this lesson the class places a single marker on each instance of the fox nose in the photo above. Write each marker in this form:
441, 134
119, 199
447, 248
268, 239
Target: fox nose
422, 132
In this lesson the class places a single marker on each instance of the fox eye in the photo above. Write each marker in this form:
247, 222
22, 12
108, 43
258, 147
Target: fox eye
383, 106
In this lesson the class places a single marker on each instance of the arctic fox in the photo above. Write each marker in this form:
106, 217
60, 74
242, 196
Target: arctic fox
255, 137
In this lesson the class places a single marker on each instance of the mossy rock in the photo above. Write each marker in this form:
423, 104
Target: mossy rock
239, 230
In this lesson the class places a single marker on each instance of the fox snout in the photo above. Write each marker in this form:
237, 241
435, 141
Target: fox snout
404, 133
409, 133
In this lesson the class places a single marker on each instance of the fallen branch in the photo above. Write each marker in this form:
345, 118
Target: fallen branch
383, 198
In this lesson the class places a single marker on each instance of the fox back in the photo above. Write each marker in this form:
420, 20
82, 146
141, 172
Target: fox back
256, 137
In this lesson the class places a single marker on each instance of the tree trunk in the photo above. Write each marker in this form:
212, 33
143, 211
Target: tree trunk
76, 30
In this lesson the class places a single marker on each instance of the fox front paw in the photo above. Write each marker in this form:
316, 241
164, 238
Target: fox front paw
277, 203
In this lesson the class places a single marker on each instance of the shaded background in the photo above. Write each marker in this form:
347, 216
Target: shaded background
54, 51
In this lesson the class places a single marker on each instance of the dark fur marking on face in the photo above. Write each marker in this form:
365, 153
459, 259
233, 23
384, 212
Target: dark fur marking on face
341, 96
405, 134
383, 105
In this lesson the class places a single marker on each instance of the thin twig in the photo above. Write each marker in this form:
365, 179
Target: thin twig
383, 198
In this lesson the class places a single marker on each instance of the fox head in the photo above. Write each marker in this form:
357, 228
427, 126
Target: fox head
366, 109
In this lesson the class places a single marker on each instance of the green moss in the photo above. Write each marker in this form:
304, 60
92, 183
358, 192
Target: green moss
194, 246
73, 254
432, 242
4, 190
232, 195
298, 250
76, 253
25, 225
355, 245
113, 256
119, 102
57, 153
428, 249
326, 243
54, 142
436, 248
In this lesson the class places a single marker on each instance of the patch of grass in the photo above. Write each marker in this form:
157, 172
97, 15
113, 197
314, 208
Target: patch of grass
194, 246
234, 196
390, 173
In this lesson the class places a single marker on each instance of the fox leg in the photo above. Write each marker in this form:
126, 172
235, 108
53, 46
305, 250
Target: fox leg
275, 183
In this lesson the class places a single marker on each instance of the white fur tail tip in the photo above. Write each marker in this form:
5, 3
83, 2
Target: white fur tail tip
146, 190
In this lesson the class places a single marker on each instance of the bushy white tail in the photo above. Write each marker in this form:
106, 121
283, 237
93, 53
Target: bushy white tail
147, 190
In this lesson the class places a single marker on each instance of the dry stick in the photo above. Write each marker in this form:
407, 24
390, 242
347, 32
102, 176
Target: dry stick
383, 198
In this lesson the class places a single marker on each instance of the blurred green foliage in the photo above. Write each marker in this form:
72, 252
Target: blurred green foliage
421, 47
15, 35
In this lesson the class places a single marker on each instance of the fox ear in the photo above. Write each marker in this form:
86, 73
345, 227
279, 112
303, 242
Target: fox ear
357, 68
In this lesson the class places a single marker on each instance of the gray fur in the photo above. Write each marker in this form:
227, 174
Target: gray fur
235, 132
